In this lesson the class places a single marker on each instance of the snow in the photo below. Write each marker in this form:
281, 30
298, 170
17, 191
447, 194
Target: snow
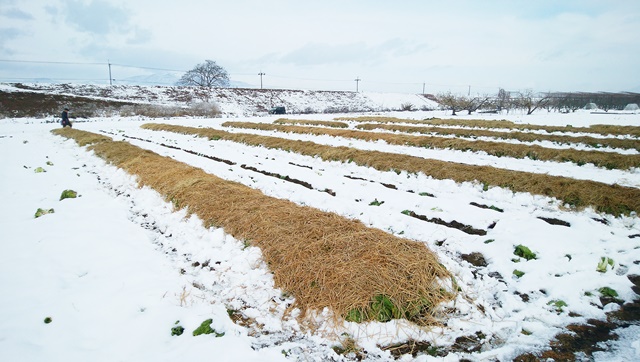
117, 267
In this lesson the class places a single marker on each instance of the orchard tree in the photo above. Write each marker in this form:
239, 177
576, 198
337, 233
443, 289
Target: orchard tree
450, 101
530, 101
209, 74
503, 100
472, 104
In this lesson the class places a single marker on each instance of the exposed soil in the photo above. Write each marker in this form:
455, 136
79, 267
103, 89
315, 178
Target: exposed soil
553, 221
452, 224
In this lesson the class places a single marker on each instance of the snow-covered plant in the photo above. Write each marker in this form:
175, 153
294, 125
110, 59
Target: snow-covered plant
205, 328
608, 292
177, 330
604, 263
68, 194
518, 273
524, 252
41, 212
39, 170
557, 304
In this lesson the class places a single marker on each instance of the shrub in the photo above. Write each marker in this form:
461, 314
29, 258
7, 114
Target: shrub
406, 107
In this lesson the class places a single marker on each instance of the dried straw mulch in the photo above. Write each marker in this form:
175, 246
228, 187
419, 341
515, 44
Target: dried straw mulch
612, 199
322, 259
609, 160
603, 129
520, 136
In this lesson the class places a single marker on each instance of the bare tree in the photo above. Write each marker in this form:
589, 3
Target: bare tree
450, 101
530, 101
503, 100
472, 104
209, 74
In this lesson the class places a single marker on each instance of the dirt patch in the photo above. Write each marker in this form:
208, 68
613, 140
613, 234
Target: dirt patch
452, 224
554, 221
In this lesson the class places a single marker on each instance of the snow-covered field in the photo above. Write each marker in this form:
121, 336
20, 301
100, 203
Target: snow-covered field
117, 267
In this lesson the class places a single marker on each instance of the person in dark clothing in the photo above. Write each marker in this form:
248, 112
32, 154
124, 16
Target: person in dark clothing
65, 118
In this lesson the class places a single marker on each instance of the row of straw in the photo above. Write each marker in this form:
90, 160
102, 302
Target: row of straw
612, 199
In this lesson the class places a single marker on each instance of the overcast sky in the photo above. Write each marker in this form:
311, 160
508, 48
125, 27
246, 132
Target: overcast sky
403, 45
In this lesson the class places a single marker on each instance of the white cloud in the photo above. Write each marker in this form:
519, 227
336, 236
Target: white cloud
546, 44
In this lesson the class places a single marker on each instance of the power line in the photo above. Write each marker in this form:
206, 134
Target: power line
49, 62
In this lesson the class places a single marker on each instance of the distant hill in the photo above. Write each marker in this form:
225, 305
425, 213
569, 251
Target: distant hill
232, 102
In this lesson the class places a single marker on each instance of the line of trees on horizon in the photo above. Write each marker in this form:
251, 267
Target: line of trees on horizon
530, 101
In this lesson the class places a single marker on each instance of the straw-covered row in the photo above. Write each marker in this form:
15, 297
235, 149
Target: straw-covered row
603, 129
609, 160
321, 258
612, 199
424, 128
515, 135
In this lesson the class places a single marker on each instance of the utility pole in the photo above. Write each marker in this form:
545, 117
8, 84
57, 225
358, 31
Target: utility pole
357, 80
261, 74
423, 88
110, 79
469, 93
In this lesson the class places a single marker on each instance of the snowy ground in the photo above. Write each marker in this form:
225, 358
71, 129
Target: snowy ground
116, 268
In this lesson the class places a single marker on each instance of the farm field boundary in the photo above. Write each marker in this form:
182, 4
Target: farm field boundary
601, 159
322, 259
612, 199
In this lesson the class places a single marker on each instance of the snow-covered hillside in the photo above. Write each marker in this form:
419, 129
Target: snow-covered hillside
239, 102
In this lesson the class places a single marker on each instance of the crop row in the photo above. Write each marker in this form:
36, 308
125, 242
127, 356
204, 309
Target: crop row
612, 199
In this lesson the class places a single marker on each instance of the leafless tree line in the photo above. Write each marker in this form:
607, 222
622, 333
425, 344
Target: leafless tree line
530, 101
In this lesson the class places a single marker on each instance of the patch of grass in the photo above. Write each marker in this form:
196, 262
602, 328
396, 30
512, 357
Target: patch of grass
524, 252
489, 241
68, 194
426, 194
39, 170
518, 273
375, 202
42, 212
205, 328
